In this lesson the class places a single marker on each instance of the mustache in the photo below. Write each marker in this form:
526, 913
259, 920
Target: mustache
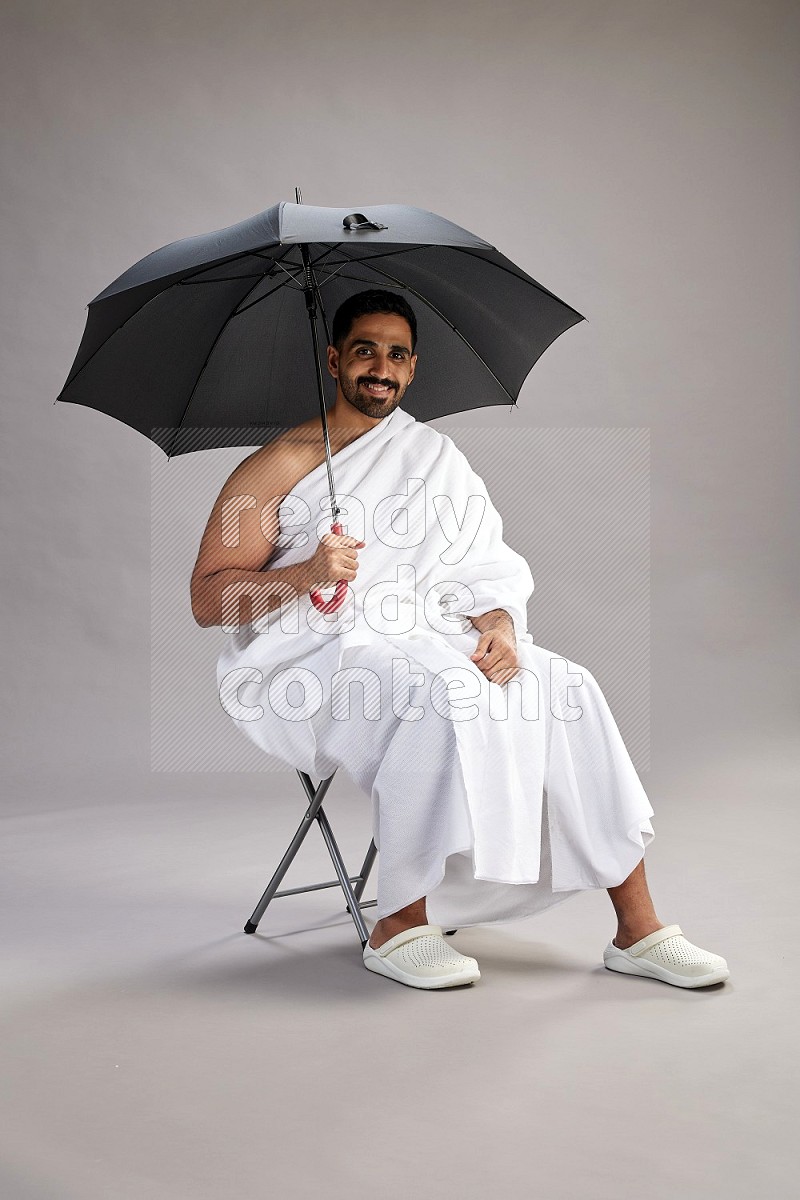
379, 382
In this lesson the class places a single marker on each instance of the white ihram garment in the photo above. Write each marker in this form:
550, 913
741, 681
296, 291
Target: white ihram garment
492, 801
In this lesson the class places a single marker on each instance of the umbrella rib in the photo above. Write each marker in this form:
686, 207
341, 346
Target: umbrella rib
357, 278
455, 330
320, 282
266, 296
291, 278
332, 274
297, 288
332, 249
141, 308
221, 279
222, 329
382, 254
316, 261
366, 258
528, 279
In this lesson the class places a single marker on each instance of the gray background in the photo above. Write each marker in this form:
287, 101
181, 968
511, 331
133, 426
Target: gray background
639, 159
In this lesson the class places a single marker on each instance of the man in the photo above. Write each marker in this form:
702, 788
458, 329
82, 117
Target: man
481, 812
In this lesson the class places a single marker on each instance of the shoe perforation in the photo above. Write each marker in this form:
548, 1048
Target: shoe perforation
428, 950
677, 951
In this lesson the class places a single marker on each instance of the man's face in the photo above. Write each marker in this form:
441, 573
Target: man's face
375, 364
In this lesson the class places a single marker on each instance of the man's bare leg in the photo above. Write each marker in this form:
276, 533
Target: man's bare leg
404, 918
636, 916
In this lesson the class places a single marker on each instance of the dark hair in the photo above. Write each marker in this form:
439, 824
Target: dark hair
376, 300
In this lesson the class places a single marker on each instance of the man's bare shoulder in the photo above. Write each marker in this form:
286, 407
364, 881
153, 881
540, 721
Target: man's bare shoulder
282, 462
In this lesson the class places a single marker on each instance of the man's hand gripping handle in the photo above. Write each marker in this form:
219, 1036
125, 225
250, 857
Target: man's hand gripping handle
337, 599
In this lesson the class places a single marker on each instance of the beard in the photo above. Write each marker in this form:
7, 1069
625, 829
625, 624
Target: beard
355, 393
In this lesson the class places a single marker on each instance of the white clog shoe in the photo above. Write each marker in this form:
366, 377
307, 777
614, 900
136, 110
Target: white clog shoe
665, 954
420, 957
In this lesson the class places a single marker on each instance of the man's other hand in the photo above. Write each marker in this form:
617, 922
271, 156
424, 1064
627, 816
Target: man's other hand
496, 655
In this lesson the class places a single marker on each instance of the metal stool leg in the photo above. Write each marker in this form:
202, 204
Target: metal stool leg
295, 844
363, 875
366, 867
353, 896
353, 907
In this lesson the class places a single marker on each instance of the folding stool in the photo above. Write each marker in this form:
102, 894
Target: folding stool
316, 812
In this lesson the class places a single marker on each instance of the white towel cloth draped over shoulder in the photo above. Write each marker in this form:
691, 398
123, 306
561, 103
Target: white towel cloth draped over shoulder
493, 801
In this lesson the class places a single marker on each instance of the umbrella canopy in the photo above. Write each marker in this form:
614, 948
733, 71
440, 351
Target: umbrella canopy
205, 342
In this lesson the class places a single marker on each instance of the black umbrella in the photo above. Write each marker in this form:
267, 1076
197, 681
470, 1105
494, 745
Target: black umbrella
204, 343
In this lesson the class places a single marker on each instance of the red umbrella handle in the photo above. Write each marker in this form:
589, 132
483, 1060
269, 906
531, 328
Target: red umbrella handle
337, 599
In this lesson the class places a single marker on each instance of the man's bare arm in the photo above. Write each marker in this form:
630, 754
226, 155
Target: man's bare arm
240, 537
218, 599
230, 584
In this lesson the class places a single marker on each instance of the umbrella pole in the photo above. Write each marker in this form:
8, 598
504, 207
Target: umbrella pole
310, 293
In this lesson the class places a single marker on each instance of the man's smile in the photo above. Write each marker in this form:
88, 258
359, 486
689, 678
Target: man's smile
377, 389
